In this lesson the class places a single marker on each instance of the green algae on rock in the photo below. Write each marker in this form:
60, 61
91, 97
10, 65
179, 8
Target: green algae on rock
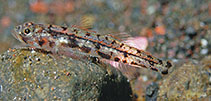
35, 75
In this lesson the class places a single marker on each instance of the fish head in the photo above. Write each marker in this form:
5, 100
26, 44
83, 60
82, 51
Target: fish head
30, 34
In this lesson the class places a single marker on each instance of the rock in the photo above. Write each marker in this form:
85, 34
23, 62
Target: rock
27, 74
191, 81
152, 92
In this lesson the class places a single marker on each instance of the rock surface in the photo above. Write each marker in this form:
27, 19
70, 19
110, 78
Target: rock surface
191, 81
35, 75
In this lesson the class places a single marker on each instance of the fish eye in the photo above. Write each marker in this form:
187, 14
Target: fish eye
27, 31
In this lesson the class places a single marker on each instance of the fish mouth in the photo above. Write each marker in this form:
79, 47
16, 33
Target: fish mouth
17, 33
14, 34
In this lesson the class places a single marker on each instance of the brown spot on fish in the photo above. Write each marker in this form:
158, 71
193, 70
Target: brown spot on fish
151, 63
125, 54
64, 44
124, 61
75, 30
142, 65
122, 44
155, 69
64, 28
24, 39
42, 41
111, 53
97, 45
49, 27
168, 64
87, 34
85, 49
113, 42
138, 51
116, 59
73, 45
106, 38
103, 55
133, 63
160, 61
98, 37
149, 56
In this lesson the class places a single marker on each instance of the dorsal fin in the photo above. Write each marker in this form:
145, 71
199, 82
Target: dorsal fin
140, 43
87, 21
122, 36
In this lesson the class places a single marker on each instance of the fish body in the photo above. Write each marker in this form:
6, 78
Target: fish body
76, 40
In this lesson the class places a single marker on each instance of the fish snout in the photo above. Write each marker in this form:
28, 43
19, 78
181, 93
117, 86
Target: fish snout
18, 28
